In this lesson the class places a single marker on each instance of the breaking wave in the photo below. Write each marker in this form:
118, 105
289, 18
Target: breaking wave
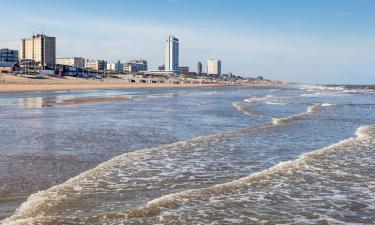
240, 107
310, 109
216, 196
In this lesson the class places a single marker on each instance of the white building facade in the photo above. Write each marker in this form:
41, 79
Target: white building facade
214, 67
134, 66
172, 54
117, 67
98, 65
78, 62
40, 48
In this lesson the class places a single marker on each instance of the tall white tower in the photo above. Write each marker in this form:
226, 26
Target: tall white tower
171, 54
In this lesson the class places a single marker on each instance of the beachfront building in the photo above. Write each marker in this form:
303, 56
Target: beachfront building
40, 48
199, 68
214, 67
135, 66
9, 67
29, 66
8, 55
78, 62
97, 65
117, 67
184, 70
171, 54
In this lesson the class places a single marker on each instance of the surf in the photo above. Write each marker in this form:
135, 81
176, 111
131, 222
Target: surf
183, 202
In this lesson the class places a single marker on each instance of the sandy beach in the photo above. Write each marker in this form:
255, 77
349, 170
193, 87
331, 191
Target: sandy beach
12, 83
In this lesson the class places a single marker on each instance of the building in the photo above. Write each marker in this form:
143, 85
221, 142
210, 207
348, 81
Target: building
78, 62
8, 55
134, 66
199, 68
98, 65
161, 67
67, 70
184, 70
40, 48
29, 66
117, 67
9, 67
171, 54
214, 67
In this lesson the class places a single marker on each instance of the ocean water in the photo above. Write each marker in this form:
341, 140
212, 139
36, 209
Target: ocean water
229, 155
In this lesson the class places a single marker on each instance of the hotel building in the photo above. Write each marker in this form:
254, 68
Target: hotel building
171, 54
40, 48
214, 67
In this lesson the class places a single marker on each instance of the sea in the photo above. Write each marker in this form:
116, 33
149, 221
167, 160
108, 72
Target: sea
302, 154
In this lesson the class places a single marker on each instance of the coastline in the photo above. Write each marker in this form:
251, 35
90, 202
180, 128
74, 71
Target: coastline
14, 84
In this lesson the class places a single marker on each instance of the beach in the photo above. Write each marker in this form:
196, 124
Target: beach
13, 83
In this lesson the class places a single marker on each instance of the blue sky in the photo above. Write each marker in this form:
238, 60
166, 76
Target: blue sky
316, 41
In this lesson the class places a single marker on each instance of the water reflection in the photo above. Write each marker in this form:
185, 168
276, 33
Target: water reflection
38, 102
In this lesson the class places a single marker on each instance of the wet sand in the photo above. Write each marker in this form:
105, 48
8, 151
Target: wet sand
94, 100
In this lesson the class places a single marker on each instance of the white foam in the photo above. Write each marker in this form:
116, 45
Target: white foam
365, 131
239, 107
310, 109
275, 103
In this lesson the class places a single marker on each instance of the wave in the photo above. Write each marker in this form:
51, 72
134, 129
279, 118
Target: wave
332, 91
44, 201
259, 99
363, 136
310, 109
240, 107
322, 87
275, 103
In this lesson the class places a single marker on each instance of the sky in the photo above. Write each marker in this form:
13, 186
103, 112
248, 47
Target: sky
316, 41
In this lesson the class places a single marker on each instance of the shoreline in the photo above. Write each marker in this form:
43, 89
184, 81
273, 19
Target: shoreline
14, 88
15, 84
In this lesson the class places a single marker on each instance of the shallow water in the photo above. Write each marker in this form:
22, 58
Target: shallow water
188, 156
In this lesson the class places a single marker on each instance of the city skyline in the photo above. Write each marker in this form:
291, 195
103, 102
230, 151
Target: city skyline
320, 42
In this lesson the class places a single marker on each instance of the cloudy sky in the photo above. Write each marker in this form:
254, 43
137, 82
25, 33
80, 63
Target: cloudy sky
320, 41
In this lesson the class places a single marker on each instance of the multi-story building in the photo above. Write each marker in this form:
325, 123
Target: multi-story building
171, 54
117, 67
98, 65
214, 67
40, 48
199, 68
8, 55
134, 66
184, 70
78, 62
